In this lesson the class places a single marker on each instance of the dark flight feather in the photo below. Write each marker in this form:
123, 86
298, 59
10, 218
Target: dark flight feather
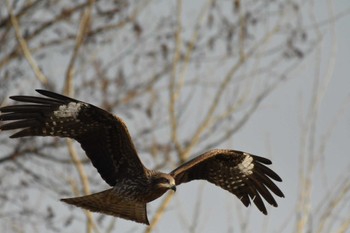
103, 136
225, 169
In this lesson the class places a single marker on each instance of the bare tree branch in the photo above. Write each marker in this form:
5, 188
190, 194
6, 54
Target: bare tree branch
25, 48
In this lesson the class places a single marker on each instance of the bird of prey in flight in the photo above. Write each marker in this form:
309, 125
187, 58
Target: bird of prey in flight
107, 142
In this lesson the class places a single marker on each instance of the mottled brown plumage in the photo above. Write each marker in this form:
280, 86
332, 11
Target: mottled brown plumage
107, 143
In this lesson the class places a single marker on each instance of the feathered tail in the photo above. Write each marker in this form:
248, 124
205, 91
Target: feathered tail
108, 202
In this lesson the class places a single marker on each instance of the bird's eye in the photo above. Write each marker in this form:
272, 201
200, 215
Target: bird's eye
162, 180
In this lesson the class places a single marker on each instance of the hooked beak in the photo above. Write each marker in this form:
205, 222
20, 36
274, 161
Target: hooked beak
173, 188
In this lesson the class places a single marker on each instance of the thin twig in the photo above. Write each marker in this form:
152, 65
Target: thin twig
159, 212
308, 135
25, 48
83, 30
172, 86
69, 90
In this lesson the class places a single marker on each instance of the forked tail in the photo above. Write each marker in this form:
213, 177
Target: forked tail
108, 202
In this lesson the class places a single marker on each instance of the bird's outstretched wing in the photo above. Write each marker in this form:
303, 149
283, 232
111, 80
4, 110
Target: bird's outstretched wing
240, 173
104, 137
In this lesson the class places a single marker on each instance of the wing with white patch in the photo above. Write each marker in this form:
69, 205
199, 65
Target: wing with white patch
240, 173
104, 137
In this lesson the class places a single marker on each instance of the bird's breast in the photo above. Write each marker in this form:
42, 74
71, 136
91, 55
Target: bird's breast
153, 194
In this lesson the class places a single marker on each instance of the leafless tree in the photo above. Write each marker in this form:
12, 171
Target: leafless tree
185, 75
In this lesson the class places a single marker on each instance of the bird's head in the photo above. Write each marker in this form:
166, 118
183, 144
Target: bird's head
164, 181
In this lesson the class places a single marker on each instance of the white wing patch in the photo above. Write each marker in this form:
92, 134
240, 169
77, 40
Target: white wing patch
70, 110
246, 167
